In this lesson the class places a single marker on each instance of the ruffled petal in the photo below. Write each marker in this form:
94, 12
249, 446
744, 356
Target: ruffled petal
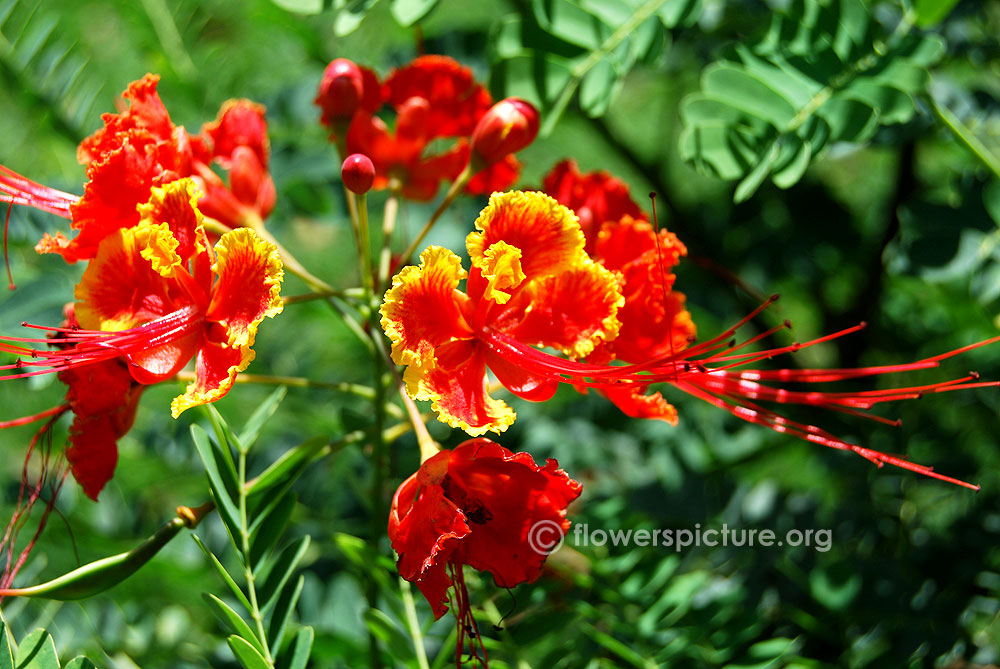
120, 289
547, 233
104, 400
596, 197
117, 184
425, 529
458, 388
145, 116
249, 282
215, 371
502, 270
634, 404
573, 311
421, 310
175, 206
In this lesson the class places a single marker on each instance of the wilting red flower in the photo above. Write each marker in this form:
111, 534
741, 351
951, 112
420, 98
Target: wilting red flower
434, 98
155, 296
533, 285
479, 505
140, 148
530, 282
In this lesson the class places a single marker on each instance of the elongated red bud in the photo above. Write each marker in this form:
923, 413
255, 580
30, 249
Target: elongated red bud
507, 127
358, 173
340, 91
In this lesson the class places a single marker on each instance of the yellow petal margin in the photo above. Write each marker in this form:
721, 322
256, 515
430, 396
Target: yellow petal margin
248, 287
547, 233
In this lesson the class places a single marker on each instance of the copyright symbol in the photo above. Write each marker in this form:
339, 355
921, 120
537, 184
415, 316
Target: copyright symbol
545, 537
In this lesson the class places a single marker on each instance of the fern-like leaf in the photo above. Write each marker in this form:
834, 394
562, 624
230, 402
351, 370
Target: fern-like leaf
824, 72
561, 48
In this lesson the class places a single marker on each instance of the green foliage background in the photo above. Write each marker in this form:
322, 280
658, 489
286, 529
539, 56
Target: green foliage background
898, 228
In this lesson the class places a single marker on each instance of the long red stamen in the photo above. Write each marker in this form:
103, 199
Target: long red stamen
91, 347
17, 189
695, 372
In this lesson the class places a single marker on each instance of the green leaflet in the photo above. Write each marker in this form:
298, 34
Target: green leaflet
559, 50
824, 72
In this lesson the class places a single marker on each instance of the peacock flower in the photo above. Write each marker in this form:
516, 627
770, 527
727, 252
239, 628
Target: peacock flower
479, 505
434, 99
139, 149
530, 283
155, 296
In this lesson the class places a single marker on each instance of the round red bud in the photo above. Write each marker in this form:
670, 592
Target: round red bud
340, 91
358, 173
507, 127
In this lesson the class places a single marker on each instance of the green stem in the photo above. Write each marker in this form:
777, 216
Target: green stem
248, 572
349, 293
364, 243
966, 137
411, 622
388, 226
456, 188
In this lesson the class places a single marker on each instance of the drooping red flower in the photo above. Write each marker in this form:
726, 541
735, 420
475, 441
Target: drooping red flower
140, 148
447, 337
155, 296
434, 99
479, 505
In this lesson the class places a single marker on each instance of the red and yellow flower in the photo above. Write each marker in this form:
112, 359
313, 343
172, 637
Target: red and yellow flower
533, 285
529, 271
479, 505
155, 296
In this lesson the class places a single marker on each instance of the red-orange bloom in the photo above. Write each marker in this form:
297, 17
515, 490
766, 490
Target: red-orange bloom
433, 98
529, 275
511, 305
654, 320
596, 197
155, 296
479, 505
140, 148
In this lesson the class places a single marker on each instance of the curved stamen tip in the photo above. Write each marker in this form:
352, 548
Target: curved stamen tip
774, 297
898, 422
863, 324
974, 374
732, 343
652, 195
11, 286
24, 324
788, 324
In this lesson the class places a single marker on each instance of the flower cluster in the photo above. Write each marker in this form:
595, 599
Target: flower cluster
533, 285
434, 99
156, 293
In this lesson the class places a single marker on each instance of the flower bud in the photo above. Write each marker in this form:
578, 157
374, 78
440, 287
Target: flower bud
358, 173
340, 92
508, 126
